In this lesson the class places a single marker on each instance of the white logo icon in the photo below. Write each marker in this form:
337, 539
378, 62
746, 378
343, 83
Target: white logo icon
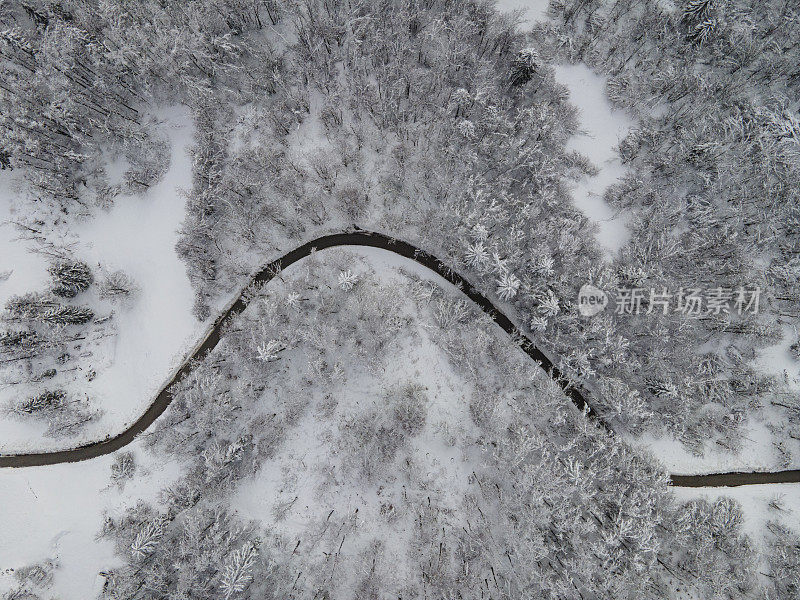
591, 300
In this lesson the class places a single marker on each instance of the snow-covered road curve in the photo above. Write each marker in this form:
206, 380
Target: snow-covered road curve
576, 393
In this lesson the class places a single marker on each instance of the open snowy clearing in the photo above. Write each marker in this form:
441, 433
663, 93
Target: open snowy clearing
138, 235
532, 10
602, 128
153, 331
56, 512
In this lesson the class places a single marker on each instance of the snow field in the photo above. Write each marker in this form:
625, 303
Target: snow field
56, 512
150, 334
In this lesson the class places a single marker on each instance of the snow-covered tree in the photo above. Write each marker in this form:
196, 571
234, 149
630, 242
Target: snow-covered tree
70, 278
507, 285
347, 279
270, 350
147, 539
238, 571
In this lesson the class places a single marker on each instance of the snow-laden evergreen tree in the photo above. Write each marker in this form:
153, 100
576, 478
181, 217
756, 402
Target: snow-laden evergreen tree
70, 278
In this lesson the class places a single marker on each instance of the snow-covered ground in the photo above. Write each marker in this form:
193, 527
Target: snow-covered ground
138, 235
55, 513
20, 269
532, 10
602, 129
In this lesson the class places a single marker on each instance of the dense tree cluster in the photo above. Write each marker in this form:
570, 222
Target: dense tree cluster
712, 185
32, 582
79, 76
784, 560
439, 122
194, 550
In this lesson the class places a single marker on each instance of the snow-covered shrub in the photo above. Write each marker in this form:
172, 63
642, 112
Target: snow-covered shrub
238, 571
148, 158
68, 315
147, 538
369, 442
409, 407
270, 350
548, 304
466, 128
629, 406
49, 400
331, 116
476, 255
783, 559
123, 468
347, 279
448, 311
13, 339
507, 286
40, 574
201, 309
62, 414
324, 165
70, 278
483, 409
795, 349
709, 536
353, 199
226, 460
117, 286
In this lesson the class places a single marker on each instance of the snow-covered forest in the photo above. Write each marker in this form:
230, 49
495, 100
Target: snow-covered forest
618, 180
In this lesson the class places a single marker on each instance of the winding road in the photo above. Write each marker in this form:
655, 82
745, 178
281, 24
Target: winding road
579, 396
